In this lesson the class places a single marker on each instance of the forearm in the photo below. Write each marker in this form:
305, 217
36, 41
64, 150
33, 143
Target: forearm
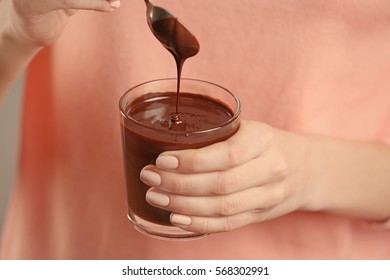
13, 60
14, 56
349, 178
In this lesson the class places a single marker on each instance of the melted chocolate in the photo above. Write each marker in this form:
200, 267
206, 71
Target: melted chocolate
179, 42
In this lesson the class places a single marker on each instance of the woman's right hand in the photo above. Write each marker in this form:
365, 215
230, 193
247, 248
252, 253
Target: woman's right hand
38, 23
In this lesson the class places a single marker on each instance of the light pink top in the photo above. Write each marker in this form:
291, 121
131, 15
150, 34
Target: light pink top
313, 66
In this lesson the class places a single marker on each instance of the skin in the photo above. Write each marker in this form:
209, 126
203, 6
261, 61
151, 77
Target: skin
236, 182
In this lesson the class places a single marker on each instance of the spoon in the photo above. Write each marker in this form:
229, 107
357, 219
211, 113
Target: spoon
173, 35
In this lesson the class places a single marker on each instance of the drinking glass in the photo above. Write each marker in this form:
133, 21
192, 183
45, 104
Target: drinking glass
154, 102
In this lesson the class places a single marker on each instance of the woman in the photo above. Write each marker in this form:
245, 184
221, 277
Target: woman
306, 176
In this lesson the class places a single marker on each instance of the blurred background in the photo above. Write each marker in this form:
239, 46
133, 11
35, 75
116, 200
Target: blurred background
9, 142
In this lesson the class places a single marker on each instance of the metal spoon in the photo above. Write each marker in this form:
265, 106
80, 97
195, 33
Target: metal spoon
155, 13
170, 32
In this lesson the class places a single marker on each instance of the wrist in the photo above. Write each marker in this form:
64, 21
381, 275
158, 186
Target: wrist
296, 149
10, 35
302, 152
314, 173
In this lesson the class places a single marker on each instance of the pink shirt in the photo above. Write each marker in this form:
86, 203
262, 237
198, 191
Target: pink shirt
313, 66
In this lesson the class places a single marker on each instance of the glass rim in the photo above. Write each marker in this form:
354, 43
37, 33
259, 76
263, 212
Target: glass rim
234, 117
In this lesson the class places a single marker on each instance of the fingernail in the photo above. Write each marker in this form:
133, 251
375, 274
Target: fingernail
115, 3
167, 162
180, 220
150, 178
156, 198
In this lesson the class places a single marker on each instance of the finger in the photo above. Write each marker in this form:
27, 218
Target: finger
248, 142
265, 169
43, 6
98, 5
217, 224
259, 198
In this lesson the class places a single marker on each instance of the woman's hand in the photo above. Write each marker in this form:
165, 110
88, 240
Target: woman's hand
261, 173
40, 22
246, 179
26, 26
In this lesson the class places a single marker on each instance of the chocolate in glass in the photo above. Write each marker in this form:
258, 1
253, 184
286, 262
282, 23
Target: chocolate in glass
151, 125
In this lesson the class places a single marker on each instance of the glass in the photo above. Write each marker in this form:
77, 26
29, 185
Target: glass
208, 113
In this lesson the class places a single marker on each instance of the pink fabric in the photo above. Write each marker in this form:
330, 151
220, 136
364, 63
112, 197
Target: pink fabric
312, 66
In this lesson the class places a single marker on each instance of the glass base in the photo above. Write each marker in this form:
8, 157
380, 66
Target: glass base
161, 231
